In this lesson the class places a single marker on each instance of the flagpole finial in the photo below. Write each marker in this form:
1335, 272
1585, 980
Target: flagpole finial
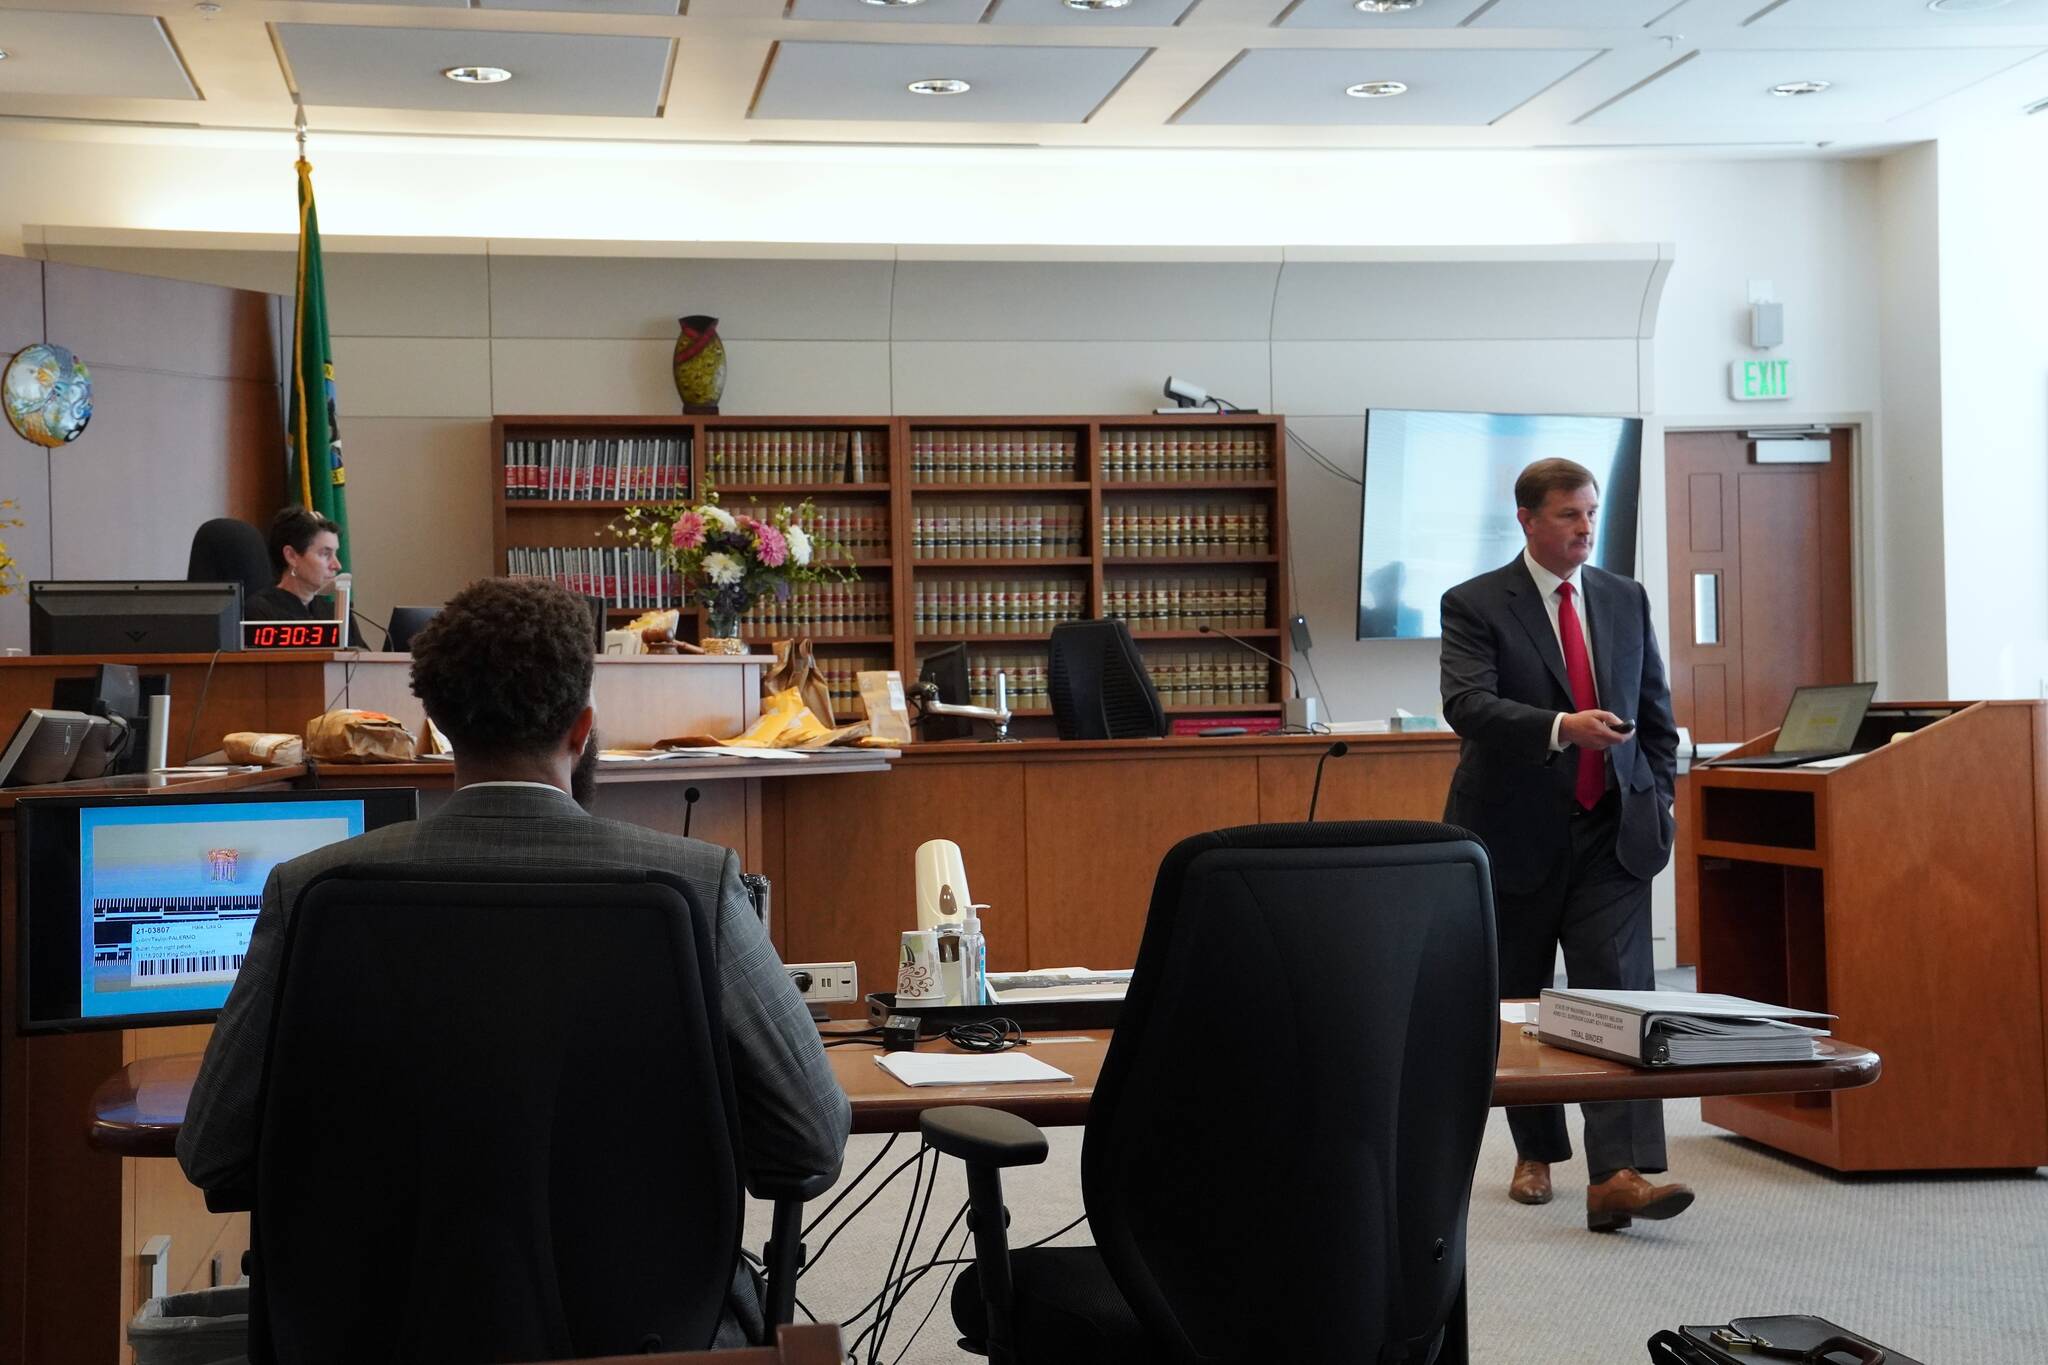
299, 123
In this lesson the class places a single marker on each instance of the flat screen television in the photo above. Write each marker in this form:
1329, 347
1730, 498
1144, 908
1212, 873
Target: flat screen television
136, 911
134, 617
1439, 503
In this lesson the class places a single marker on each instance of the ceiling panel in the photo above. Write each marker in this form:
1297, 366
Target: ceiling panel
400, 68
1341, 14
1894, 14
1053, 13
1867, 86
49, 53
1445, 87
860, 12
658, 7
1575, 13
1010, 84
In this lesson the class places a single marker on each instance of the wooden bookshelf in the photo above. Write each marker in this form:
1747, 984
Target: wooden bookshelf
1213, 521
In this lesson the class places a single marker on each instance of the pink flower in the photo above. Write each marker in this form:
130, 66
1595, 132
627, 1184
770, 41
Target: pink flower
769, 545
689, 532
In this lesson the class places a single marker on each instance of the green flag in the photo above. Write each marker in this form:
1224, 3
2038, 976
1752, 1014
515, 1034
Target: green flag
314, 475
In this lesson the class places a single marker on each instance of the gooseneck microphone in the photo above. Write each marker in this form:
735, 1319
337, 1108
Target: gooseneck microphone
1337, 750
1298, 712
690, 798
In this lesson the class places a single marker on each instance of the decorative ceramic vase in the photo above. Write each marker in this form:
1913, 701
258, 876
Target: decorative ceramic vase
699, 363
48, 394
724, 637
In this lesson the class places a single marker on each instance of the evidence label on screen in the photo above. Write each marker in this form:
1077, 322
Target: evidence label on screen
171, 893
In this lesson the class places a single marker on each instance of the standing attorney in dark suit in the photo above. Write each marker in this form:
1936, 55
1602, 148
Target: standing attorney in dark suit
1545, 662
505, 672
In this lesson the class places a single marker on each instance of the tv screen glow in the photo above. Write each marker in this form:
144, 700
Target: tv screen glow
1439, 503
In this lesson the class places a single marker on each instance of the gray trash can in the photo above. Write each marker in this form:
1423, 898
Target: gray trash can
205, 1327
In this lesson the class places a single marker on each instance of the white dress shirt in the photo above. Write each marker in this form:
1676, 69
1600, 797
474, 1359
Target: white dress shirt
1547, 584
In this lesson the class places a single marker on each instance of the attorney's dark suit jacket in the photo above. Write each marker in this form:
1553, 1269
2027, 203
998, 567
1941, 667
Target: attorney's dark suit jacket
793, 1115
1504, 680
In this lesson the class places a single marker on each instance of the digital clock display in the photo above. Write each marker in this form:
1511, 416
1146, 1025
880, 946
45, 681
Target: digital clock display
291, 635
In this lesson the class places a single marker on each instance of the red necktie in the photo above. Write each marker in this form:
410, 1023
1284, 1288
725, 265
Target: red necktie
1578, 668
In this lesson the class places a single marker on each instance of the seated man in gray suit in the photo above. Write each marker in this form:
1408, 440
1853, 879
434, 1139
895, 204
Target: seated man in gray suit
505, 672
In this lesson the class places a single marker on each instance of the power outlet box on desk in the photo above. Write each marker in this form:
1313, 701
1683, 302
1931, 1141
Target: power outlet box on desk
825, 983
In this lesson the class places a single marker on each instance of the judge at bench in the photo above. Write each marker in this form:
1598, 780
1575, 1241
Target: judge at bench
305, 554
1552, 679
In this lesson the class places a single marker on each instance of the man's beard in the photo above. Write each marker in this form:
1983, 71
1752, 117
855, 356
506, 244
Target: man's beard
583, 777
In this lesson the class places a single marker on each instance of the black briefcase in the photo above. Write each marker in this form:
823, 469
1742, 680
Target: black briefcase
1799, 1337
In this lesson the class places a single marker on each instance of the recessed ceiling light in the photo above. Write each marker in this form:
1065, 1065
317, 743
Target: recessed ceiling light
893, 4
1801, 87
939, 85
3, 54
1376, 90
1965, 6
477, 75
1087, 6
1385, 6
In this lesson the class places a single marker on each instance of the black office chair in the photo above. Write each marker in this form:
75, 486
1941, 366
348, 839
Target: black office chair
225, 550
497, 1123
1280, 1149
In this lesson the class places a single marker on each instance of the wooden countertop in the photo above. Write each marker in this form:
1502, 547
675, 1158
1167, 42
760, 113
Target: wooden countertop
242, 657
1179, 746
137, 1110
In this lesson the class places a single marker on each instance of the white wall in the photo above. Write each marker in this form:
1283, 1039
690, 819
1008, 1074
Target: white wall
1910, 655
1993, 195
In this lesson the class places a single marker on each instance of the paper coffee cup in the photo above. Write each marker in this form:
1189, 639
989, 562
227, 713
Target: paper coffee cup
917, 969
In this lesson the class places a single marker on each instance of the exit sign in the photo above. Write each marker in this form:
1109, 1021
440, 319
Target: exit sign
1755, 381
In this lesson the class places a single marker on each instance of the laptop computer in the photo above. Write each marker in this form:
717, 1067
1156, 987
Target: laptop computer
1820, 722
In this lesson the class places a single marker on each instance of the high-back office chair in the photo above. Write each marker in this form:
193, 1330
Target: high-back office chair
1098, 685
1280, 1149
497, 1123
225, 550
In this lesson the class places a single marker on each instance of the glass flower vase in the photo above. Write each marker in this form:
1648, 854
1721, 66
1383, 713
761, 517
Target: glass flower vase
724, 636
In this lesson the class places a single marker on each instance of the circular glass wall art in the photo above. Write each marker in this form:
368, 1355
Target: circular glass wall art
48, 393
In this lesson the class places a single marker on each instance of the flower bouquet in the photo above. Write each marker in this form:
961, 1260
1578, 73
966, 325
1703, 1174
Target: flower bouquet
727, 562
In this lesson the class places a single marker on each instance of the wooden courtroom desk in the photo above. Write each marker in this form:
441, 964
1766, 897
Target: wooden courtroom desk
136, 1110
1061, 840
1907, 894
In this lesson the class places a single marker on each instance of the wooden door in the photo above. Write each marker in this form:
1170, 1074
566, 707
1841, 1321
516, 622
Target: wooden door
1760, 599
1759, 579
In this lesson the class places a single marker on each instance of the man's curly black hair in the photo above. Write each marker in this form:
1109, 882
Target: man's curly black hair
505, 667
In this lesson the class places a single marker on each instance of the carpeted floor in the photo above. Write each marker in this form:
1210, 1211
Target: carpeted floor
1952, 1269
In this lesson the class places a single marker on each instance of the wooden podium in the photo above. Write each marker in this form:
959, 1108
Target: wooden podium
1902, 892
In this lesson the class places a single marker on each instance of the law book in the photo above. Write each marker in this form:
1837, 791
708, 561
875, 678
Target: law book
1677, 1028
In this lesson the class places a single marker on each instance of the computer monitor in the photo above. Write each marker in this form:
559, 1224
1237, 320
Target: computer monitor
45, 746
406, 622
1100, 689
946, 669
136, 911
134, 617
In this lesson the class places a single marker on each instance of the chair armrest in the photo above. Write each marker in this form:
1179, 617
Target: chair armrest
802, 1188
983, 1137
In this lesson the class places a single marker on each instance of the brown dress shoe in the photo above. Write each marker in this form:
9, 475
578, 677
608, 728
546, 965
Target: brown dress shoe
1531, 1184
1625, 1196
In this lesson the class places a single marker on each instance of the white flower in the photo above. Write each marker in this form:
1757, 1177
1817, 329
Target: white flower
722, 569
799, 545
711, 512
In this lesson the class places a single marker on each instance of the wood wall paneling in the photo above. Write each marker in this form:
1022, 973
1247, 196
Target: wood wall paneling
1096, 835
848, 883
1359, 786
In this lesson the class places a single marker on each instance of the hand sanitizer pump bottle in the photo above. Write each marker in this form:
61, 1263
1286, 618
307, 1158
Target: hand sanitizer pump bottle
973, 959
